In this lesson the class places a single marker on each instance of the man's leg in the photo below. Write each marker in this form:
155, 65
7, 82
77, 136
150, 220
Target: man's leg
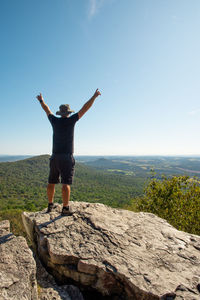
67, 172
50, 192
66, 194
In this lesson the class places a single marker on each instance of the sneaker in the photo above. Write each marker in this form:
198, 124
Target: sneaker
50, 207
66, 211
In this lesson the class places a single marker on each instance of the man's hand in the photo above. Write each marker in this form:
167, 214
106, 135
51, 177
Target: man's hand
88, 104
39, 97
44, 106
97, 93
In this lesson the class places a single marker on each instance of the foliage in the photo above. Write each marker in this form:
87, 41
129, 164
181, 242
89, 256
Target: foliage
176, 199
23, 185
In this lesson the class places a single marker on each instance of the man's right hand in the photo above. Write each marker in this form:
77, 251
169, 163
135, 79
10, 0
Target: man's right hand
88, 104
39, 97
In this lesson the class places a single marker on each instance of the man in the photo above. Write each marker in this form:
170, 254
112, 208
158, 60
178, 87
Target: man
62, 161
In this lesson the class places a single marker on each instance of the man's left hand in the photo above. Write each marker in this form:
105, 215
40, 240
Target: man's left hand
97, 93
39, 97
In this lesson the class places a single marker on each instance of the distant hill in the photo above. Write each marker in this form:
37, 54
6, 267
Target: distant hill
147, 165
5, 158
23, 185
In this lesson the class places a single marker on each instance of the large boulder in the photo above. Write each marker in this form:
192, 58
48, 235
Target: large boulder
17, 267
121, 254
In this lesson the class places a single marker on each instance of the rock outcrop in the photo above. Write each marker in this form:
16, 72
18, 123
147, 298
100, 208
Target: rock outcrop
22, 275
121, 254
17, 267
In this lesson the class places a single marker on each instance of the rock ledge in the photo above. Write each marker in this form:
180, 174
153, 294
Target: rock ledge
121, 254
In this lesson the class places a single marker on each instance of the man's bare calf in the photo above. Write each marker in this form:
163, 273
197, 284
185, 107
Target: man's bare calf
66, 194
50, 192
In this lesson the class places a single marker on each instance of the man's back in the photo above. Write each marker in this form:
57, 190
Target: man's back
63, 133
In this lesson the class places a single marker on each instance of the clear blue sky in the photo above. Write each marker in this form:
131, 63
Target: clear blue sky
143, 55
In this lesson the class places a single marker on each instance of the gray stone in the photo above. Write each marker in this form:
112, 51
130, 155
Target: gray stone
4, 227
119, 253
49, 290
18, 271
17, 267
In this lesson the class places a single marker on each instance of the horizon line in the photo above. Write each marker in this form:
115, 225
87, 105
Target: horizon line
95, 155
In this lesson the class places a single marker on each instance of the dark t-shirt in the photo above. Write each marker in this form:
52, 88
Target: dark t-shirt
63, 133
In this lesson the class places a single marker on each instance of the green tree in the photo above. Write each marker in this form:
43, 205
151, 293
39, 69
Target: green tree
176, 199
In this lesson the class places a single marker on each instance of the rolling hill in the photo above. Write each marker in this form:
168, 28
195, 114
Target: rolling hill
23, 185
143, 166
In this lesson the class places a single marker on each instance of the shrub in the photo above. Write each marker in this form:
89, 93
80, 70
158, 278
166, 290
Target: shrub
176, 199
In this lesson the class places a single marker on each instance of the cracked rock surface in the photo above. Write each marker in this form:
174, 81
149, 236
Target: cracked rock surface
17, 267
49, 290
119, 253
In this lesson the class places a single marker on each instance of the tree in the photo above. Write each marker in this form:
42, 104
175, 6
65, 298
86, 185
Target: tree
176, 199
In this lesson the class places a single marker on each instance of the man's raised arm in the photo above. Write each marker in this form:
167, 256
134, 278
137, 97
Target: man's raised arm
88, 104
44, 106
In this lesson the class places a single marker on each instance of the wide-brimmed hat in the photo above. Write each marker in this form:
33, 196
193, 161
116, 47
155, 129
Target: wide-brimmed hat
64, 110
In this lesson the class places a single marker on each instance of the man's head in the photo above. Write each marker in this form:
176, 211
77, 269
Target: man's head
64, 110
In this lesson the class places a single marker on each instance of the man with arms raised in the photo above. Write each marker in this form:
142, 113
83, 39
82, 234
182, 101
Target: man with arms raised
62, 161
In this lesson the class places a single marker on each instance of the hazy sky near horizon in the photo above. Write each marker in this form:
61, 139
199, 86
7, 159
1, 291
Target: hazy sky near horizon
143, 55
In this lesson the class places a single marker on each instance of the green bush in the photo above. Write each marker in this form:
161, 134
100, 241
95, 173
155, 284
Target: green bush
176, 199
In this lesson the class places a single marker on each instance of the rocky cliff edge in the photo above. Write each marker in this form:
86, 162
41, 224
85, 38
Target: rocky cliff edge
118, 253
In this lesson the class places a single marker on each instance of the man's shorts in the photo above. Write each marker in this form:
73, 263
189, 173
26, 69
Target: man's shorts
61, 166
